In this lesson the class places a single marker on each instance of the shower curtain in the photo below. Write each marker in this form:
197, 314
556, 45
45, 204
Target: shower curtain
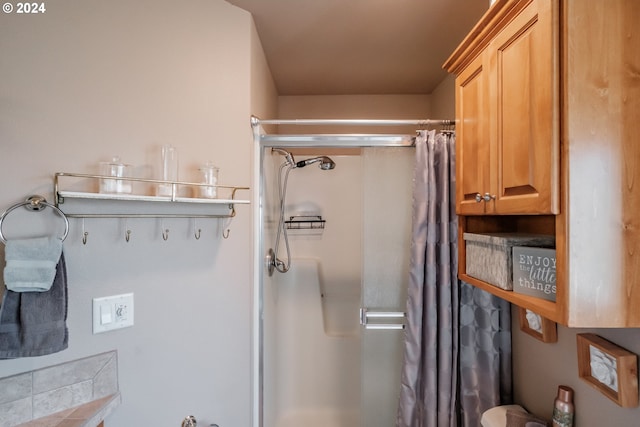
448, 333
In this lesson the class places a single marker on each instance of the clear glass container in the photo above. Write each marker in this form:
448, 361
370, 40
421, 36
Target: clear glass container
169, 169
117, 169
208, 175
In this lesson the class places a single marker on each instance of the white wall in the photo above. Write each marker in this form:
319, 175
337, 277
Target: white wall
87, 80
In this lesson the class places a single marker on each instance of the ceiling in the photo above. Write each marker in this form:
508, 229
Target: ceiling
339, 47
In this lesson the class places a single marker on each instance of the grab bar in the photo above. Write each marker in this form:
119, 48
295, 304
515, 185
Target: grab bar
366, 314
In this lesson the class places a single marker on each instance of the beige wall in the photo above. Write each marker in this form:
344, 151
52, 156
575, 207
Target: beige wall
443, 102
88, 80
353, 107
539, 369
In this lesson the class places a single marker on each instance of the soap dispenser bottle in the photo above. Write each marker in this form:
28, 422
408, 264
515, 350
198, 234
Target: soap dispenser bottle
563, 407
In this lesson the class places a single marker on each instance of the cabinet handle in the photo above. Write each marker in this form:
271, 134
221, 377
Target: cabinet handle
486, 198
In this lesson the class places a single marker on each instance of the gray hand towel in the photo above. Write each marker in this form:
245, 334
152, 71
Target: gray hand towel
34, 323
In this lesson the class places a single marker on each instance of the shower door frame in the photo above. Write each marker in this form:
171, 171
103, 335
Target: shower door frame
263, 141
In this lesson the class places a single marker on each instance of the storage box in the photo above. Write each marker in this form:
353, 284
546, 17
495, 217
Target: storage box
488, 256
534, 272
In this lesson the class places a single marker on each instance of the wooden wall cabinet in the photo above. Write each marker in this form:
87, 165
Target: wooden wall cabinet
548, 122
507, 111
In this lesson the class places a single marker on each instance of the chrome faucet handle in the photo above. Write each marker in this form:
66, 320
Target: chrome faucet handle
189, 421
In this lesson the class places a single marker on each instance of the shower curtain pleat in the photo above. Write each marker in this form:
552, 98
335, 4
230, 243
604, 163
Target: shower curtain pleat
457, 343
485, 353
429, 374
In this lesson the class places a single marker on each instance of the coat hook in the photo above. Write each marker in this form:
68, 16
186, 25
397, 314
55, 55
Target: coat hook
84, 234
227, 224
127, 232
165, 231
196, 233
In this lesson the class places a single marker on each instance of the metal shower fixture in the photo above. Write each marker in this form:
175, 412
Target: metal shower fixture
325, 163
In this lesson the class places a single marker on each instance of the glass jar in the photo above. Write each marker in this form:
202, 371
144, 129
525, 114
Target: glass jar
115, 168
208, 175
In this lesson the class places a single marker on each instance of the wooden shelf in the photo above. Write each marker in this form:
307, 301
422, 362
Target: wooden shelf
547, 309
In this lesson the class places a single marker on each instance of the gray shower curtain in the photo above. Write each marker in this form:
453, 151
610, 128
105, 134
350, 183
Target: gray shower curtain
438, 349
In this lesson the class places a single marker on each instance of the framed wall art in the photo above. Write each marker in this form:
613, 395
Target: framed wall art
608, 368
537, 326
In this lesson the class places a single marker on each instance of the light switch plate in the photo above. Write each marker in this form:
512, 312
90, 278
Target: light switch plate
113, 312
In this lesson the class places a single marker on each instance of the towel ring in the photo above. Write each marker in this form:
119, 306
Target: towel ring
35, 204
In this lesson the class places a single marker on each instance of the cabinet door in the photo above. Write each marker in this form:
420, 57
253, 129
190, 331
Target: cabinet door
472, 141
524, 95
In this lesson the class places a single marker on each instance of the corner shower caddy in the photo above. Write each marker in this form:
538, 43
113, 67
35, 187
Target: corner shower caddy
144, 206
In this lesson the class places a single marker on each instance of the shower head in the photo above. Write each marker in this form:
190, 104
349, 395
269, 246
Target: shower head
325, 163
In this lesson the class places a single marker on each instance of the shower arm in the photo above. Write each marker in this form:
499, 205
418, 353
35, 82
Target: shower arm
287, 155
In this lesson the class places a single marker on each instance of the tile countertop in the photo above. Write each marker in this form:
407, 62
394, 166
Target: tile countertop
90, 414
76, 393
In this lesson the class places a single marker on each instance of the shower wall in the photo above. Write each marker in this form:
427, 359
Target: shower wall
312, 310
312, 342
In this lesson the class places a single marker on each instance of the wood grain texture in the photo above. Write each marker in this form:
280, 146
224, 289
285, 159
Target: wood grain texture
602, 126
472, 142
595, 127
524, 110
507, 114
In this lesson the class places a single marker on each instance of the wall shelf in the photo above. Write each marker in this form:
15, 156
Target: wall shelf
79, 199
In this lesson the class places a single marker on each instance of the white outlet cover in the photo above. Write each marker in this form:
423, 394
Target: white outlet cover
112, 312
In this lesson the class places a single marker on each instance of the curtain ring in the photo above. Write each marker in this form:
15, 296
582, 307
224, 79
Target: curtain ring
84, 234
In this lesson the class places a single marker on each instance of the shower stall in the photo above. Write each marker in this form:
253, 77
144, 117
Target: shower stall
331, 274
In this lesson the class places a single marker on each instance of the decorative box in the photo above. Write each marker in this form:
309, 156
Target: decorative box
489, 255
534, 272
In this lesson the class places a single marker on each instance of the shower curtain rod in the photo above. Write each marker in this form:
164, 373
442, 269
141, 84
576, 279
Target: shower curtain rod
339, 140
351, 122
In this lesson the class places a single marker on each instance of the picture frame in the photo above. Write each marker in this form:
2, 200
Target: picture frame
537, 326
608, 368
